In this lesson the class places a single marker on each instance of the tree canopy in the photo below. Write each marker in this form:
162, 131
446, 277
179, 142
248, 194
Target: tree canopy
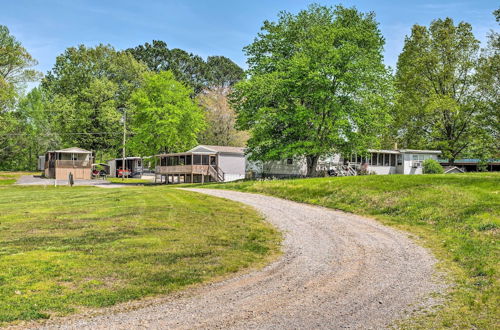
164, 116
439, 105
15, 70
188, 68
89, 89
317, 85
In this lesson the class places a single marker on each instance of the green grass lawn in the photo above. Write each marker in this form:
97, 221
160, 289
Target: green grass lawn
457, 216
67, 248
8, 178
129, 180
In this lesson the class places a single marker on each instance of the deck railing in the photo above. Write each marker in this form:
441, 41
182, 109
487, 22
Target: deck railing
68, 163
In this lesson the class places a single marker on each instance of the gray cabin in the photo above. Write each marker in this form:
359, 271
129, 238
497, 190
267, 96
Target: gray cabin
203, 163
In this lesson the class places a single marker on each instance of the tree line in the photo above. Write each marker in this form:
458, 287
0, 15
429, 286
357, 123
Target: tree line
316, 84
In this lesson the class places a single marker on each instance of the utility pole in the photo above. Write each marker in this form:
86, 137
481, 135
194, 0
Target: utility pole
124, 166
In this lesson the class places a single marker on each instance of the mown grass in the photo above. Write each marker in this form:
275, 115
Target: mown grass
8, 178
67, 248
457, 216
129, 180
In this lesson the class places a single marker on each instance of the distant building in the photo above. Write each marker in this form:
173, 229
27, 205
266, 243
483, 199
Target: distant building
402, 161
58, 164
203, 163
134, 167
473, 164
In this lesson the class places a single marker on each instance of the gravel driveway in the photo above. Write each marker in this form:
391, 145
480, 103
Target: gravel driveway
338, 270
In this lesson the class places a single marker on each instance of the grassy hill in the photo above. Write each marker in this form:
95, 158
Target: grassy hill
457, 216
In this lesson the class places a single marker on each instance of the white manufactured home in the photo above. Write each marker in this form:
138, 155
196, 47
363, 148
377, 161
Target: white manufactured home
203, 163
399, 161
402, 161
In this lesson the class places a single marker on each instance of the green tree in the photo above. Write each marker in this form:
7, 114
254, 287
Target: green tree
438, 105
188, 68
317, 85
220, 118
89, 89
15, 70
487, 144
15, 62
165, 117
222, 73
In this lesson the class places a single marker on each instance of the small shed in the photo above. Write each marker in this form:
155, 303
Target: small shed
133, 165
60, 163
453, 170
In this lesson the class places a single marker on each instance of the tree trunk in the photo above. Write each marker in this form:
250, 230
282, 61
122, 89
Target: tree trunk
312, 163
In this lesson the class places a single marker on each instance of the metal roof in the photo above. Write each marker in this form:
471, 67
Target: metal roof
416, 151
220, 149
73, 150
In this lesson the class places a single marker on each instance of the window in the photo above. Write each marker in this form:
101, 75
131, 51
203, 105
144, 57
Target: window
374, 159
163, 161
400, 160
213, 161
393, 160
188, 160
415, 157
139, 162
387, 160
289, 161
204, 160
421, 157
196, 159
182, 160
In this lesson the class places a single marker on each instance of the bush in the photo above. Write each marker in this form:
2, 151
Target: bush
431, 166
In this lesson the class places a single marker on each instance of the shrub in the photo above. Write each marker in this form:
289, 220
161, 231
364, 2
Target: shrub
431, 166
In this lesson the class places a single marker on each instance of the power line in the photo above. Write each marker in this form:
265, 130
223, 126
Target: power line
71, 133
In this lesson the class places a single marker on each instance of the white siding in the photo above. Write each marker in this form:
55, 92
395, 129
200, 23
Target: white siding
232, 165
41, 163
382, 170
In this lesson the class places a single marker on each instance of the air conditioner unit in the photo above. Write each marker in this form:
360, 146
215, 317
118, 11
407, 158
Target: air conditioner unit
416, 164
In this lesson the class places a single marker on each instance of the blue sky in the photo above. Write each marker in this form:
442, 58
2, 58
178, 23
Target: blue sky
218, 27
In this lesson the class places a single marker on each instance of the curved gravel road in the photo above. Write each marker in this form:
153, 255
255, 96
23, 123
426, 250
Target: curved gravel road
338, 270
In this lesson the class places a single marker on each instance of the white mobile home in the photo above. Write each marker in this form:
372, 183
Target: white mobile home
290, 167
402, 161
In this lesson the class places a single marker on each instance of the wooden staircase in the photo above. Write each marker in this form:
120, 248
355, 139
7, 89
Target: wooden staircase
345, 170
216, 173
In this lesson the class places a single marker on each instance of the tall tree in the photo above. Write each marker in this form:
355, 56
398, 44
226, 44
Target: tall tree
220, 119
165, 117
316, 85
89, 89
488, 86
222, 73
15, 61
438, 105
16, 69
187, 68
